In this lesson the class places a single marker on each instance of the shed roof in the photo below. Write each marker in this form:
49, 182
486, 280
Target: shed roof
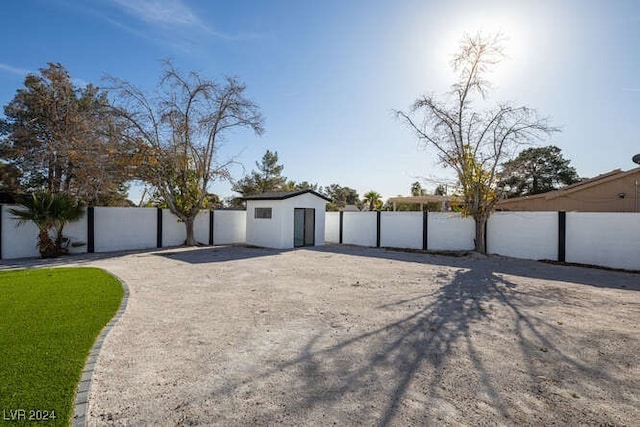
281, 195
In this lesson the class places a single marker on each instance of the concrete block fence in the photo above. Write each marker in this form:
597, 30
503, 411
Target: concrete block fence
410, 230
106, 229
604, 239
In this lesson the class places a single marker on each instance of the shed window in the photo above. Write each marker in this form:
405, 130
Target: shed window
263, 213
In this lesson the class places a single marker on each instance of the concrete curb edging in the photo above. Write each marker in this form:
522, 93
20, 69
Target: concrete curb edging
81, 402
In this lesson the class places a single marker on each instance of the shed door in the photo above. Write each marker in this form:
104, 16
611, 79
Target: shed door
304, 227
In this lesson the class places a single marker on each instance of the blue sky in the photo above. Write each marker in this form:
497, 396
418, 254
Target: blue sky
327, 75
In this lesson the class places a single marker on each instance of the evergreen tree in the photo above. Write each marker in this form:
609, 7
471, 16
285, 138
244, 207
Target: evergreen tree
536, 170
267, 178
62, 138
341, 196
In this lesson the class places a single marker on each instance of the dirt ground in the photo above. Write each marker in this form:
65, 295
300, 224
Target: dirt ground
356, 336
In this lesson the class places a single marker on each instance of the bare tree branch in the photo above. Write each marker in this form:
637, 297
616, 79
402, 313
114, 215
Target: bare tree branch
183, 126
475, 142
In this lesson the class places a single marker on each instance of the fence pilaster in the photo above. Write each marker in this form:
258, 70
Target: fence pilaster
1, 209
159, 228
211, 227
562, 236
425, 230
91, 233
378, 227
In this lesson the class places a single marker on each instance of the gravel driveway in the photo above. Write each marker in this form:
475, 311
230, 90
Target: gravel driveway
348, 336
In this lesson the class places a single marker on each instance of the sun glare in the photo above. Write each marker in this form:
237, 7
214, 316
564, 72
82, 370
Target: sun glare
514, 30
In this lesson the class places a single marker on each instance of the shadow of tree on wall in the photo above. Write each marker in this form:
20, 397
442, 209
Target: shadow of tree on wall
430, 367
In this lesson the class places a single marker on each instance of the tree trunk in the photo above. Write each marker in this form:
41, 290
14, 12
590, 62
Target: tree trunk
481, 223
190, 240
46, 246
60, 244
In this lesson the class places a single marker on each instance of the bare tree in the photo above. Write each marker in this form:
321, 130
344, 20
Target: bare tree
182, 127
473, 140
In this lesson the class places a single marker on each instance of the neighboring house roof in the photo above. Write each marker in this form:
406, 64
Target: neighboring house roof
350, 208
588, 183
607, 181
427, 198
281, 195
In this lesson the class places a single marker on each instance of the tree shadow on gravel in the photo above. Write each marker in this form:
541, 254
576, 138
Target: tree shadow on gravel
190, 255
207, 255
407, 363
602, 278
70, 259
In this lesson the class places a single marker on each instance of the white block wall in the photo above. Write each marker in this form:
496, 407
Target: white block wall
77, 232
201, 227
18, 242
124, 228
529, 235
401, 229
359, 228
228, 227
21, 242
174, 232
607, 239
449, 231
332, 227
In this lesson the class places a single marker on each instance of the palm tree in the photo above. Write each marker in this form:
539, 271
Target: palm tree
373, 199
64, 209
49, 212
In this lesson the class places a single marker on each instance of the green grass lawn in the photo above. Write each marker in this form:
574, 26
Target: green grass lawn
49, 319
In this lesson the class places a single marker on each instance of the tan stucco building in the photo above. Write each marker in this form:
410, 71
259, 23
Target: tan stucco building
616, 191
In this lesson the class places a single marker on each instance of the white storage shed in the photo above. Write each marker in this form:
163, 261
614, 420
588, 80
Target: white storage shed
285, 220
